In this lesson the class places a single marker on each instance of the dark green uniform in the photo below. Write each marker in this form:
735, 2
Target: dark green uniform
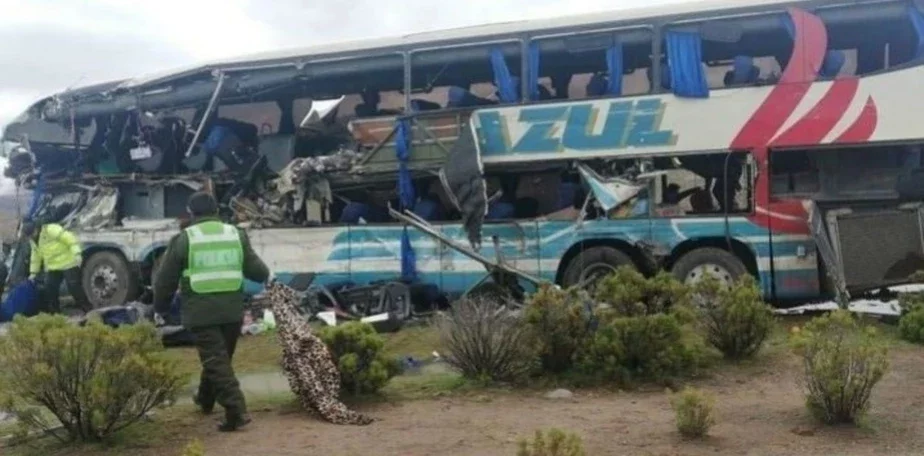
213, 317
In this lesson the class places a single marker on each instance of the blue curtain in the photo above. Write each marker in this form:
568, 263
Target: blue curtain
685, 57
532, 77
506, 88
405, 195
614, 67
917, 20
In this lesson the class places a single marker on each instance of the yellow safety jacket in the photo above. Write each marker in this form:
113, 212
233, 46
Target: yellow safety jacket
57, 250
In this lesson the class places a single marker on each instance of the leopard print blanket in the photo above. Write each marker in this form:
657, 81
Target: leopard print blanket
306, 361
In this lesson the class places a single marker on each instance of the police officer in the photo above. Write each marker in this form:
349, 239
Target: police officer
58, 253
209, 261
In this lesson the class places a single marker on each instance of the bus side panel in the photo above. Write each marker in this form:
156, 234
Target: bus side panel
788, 271
373, 254
292, 253
519, 247
795, 267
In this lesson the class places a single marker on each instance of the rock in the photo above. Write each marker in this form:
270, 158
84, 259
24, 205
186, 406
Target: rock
559, 394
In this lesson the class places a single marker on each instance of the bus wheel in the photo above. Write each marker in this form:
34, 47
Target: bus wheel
107, 279
593, 264
720, 264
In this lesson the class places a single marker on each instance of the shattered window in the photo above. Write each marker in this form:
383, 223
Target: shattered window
578, 66
867, 38
460, 77
857, 172
697, 184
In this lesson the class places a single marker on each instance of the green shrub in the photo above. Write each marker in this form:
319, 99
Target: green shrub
842, 363
95, 380
655, 348
911, 324
630, 294
694, 412
735, 319
555, 442
357, 350
485, 342
560, 324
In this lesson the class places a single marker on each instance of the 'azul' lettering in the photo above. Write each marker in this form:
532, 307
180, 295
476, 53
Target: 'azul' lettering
626, 124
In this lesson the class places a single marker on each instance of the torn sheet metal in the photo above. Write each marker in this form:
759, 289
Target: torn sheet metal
98, 212
827, 252
610, 192
463, 181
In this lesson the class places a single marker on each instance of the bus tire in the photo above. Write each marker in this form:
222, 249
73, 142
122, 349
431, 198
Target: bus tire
108, 279
722, 264
593, 264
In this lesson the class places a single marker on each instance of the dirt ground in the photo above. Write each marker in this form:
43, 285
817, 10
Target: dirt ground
760, 412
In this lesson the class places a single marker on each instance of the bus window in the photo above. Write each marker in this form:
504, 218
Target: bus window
739, 52
867, 38
371, 86
581, 65
696, 186
794, 173
465, 77
848, 173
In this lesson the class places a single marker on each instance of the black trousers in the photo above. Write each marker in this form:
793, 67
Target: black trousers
216, 345
50, 301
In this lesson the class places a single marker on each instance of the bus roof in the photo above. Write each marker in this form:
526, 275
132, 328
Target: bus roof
462, 34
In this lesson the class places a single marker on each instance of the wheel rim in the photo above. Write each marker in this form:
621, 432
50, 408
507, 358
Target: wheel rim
104, 282
716, 271
593, 274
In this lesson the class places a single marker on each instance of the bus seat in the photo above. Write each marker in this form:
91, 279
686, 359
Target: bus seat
429, 210
597, 85
744, 71
834, 61
501, 210
353, 211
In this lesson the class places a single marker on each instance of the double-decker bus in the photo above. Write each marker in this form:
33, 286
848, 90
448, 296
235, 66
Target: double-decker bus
772, 138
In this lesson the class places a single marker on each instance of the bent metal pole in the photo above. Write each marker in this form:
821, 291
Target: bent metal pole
208, 112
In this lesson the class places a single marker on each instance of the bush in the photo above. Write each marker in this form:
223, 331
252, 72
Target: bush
357, 350
694, 412
735, 319
911, 324
842, 364
554, 443
484, 342
560, 323
646, 348
95, 380
630, 294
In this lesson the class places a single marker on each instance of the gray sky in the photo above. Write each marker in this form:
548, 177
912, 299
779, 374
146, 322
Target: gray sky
49, 45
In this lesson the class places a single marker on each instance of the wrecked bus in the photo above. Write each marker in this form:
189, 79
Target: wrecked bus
768, 138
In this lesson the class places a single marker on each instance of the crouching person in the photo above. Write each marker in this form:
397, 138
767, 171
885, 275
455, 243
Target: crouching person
209, 261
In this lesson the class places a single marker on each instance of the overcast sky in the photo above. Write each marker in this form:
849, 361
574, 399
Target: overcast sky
49, 45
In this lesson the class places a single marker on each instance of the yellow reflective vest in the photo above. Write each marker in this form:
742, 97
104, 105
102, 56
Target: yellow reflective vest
57, 250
